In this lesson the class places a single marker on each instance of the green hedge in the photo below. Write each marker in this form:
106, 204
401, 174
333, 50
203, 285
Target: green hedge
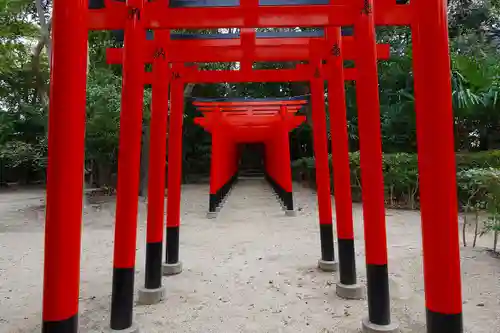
401, 176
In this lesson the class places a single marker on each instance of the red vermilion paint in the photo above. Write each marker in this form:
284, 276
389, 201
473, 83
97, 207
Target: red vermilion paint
158, 14
65, 161
339, 138
250, 121
129, 149
320, 147
175, 152
436, 158
367, 97
158, 148
247, 48
286, 171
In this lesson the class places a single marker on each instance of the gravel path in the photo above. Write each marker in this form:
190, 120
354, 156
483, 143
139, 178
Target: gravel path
250, 270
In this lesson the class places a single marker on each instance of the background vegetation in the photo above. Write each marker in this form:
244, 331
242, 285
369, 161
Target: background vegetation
474, 39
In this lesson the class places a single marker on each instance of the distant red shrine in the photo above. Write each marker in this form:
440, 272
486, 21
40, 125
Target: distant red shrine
250, 121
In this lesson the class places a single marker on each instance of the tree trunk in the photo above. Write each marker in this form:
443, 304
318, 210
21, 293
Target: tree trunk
44, 28
476, 227
85, 201
103, 175
91, 175
464, 238
495, 241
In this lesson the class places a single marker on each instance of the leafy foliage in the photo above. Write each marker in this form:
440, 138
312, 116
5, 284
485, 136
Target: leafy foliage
475, 39
476, 173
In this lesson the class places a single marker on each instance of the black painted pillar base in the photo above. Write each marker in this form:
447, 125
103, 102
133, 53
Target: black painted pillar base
212, 203
69, 325
444, 323
153, 292
217, 200
347, 287
153, 265
122, 298
379, 306
347, 261
327, 262
172, 264
326, 238
172, 246
285, 198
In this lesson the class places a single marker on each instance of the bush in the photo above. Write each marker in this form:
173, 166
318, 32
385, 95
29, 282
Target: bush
476, 185
475, 172
479, 160
23, 162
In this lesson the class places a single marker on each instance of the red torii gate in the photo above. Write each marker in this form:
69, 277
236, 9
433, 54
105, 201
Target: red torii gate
72, 20
247, 49
328, 47
158, 14
233, 122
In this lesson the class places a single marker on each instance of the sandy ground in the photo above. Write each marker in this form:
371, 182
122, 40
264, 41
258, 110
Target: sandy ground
251, 270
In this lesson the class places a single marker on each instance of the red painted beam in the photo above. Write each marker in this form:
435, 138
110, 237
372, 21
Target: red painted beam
242, 108
233, 114
250, 103
157, 15
238, 112
249, 130
247, 117
226, 50
266, 75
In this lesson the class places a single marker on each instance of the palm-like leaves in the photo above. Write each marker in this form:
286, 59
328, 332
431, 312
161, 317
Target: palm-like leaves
463, 97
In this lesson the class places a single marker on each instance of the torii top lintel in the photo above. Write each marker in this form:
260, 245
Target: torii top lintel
228, 50
160, 14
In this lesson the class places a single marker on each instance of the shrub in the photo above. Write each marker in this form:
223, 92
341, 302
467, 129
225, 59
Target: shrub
475, 172
476, 185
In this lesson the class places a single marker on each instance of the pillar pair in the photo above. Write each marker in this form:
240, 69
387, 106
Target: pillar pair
128, 180
153, 292
223, 165
65, 176
436, 168
443, 288
278, 171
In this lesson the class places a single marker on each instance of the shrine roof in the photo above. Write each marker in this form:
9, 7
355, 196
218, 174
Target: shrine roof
257, 105
248, 101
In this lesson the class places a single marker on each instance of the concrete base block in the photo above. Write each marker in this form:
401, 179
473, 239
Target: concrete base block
132, 329
212, 215
290, 213
328, 266
352, 291
172, 269
369, 327
150, 296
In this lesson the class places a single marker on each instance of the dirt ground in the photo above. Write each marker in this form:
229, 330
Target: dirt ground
250, 270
